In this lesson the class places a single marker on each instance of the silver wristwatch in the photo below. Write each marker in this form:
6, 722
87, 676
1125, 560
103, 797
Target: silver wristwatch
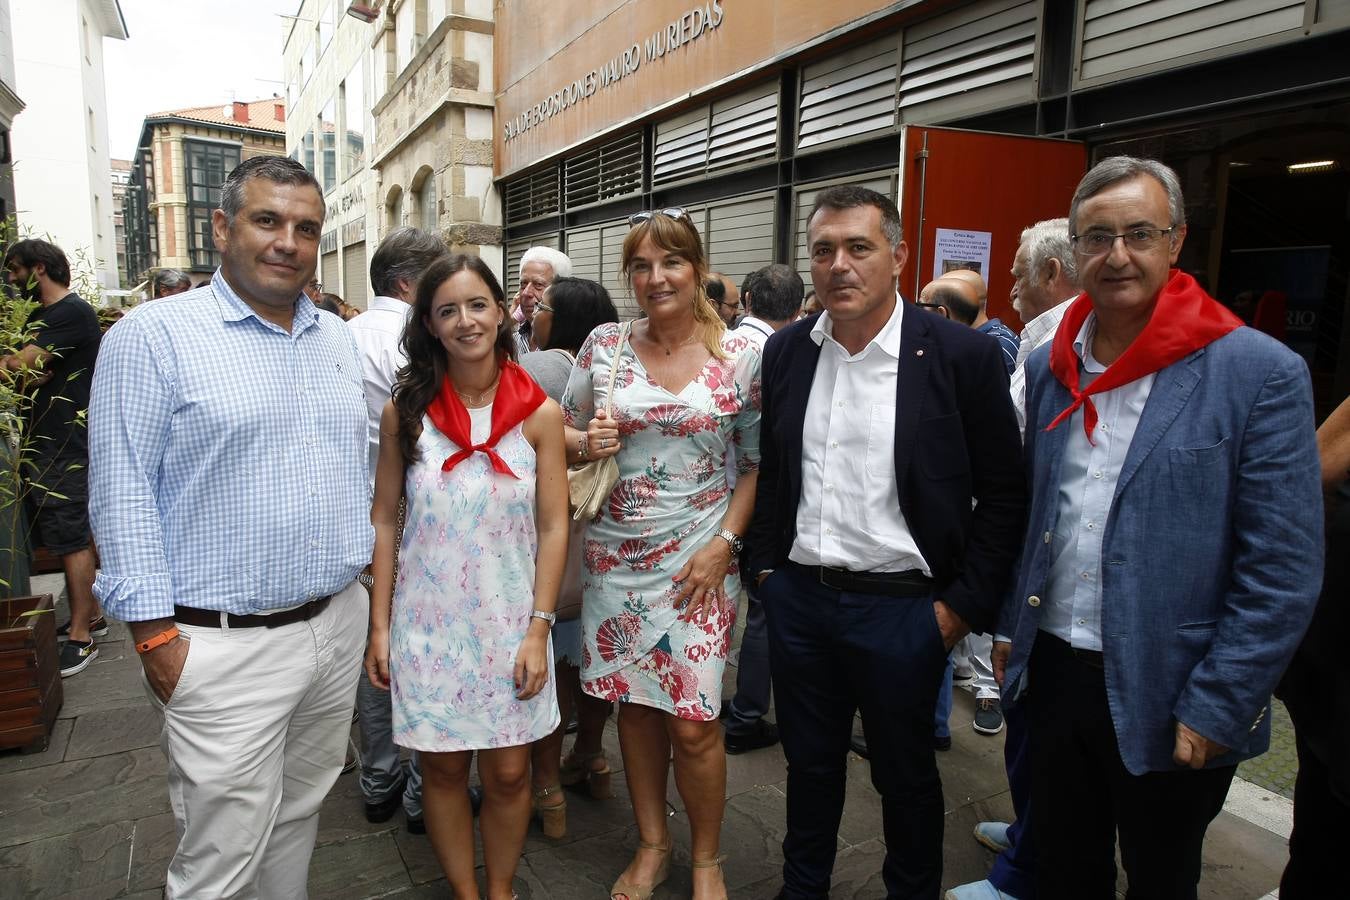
732, 538
550, 618
367, 579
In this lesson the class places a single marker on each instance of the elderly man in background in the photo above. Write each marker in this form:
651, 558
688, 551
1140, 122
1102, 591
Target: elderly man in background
538, 267
1173, 553
1045, 281
231, 505
168, 282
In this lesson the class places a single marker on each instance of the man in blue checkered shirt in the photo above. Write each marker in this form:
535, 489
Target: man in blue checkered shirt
230, 505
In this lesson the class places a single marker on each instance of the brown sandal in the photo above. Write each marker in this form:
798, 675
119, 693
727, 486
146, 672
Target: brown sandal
577, 768
630, 891
714, 863
552, 816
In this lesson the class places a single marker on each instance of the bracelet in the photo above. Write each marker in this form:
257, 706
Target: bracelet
367, 579
548, 617
158, 640
584, 446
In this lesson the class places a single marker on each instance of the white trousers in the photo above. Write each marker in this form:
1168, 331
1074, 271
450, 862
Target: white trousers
255, 734
972, 655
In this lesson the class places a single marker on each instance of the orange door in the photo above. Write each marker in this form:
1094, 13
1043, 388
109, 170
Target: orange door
965, 195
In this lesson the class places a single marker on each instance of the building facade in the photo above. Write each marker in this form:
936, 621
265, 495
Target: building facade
120, 175
411, 94
326, 64
181, 161
60, 143
740, 112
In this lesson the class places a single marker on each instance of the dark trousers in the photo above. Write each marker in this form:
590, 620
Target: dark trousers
1014, 870
1321, 830
1083, 795
833, 653
751, 701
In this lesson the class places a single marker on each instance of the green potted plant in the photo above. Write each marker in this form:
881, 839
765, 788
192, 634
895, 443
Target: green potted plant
30, 678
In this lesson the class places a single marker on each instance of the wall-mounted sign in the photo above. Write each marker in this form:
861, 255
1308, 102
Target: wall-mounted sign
687, 28
958, 249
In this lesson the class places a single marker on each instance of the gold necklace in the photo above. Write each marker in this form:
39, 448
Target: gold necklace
477, 399
684, 343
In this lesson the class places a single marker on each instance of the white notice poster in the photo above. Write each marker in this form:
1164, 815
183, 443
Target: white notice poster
957, 249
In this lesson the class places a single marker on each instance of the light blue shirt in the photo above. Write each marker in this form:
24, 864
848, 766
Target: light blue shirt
227, 458
1073, 602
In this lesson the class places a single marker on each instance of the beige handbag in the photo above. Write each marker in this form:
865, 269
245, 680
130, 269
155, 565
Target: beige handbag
590, 484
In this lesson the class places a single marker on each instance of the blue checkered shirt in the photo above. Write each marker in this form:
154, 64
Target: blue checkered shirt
227, 458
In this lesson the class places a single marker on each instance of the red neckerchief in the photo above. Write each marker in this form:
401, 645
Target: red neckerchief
1184, 320
517, 397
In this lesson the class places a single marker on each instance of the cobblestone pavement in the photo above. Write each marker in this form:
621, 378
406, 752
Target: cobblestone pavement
89, 817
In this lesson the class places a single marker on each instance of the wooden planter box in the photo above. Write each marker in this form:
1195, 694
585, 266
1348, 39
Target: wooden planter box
30, 674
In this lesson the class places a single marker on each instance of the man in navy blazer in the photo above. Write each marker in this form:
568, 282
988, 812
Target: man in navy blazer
888, 515
1173, 552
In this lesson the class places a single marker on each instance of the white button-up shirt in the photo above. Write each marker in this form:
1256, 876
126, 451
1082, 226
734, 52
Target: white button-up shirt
1072, 606
1038, 331
849, 513
377, 332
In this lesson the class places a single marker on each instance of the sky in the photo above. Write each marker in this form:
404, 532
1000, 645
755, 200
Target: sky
190, 53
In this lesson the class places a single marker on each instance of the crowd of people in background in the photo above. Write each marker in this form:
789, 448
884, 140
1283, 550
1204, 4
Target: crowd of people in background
1108, 527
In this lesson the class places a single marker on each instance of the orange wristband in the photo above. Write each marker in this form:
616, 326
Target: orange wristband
158, 640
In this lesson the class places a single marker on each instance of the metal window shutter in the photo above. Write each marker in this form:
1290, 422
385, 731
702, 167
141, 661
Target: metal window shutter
531, 196
328, 271
605, 172
739, 235
355, 287
1119, 37
729, 132
611, 260
805, 197
681, 146
744, 127
514, 251
974, 58
583, 248
849, 95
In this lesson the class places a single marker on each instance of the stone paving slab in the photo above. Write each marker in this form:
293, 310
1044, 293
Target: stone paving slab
107, 731
90, 864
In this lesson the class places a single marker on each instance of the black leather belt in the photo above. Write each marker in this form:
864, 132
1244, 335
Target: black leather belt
912, 583
210, 618
1093, 659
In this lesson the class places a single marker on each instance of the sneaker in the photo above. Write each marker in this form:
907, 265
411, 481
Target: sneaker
383, 810
988, 716
993, 835
75, 656
977, 890
760, 735
97, 629
942, 743
353, 758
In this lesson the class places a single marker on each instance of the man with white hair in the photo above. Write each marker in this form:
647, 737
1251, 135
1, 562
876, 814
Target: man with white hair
538, 267
1045, 282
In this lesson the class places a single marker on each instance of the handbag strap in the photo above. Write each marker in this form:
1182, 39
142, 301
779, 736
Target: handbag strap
614, 368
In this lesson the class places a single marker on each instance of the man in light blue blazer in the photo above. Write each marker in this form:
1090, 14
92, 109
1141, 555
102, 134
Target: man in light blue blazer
1173, 553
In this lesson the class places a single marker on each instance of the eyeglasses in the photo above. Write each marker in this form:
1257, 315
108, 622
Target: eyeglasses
540, 306
932, 307
1096, 243
670, 212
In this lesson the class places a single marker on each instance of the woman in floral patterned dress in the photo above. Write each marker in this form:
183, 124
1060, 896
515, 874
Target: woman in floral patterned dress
461, 636
661, 583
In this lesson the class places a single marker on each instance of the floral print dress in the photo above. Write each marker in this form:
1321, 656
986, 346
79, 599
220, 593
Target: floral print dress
462, 599
669, 501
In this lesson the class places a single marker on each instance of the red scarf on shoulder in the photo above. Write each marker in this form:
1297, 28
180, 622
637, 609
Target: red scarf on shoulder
1184, 320
517, 397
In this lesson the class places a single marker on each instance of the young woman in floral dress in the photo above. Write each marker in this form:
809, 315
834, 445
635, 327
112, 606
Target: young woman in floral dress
660, 584
476, 449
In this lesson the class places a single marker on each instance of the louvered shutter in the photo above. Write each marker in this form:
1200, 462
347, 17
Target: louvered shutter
355, 275
531, 196
604, 172
849, 95
328, 271
975, 58
730, 132
1119, 38
740, 235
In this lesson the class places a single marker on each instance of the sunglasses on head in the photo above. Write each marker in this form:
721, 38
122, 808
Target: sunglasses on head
670, 212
